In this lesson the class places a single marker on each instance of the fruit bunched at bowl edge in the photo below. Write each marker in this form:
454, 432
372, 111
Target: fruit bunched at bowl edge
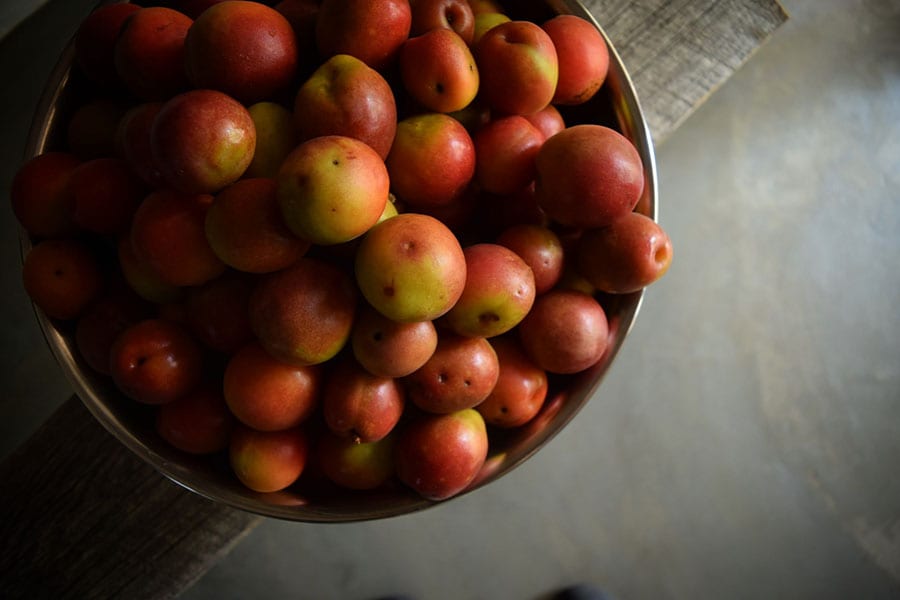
154, 243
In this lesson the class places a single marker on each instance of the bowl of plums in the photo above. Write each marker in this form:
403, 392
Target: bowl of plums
337, 260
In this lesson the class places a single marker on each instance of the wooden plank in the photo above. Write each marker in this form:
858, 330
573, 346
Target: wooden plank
84, 517
678, 52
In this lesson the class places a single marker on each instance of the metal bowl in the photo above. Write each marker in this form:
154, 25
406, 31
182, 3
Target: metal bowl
616, 105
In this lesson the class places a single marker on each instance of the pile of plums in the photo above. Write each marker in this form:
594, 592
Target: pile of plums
336, 239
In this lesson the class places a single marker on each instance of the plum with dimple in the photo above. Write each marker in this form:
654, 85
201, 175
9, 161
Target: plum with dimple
62, 277
626, 255
331, 189
499, 292
390, 348
438, 70
460, 374
455, 15
156, 361
360, 405
97, 329
410, 268
519, 67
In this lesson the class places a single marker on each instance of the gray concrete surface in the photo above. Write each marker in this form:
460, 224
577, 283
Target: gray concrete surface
746, 441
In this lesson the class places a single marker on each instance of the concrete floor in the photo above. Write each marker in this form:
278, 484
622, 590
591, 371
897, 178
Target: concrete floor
745, 443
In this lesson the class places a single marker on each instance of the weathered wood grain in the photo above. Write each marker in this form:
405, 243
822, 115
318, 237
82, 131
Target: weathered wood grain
82, 517
678, 52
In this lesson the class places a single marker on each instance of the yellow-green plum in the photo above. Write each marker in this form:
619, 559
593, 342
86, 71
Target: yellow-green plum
480, 7
275, 138
485, 22
474, 116
499, 292
332, 189
410, 268
390, 209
